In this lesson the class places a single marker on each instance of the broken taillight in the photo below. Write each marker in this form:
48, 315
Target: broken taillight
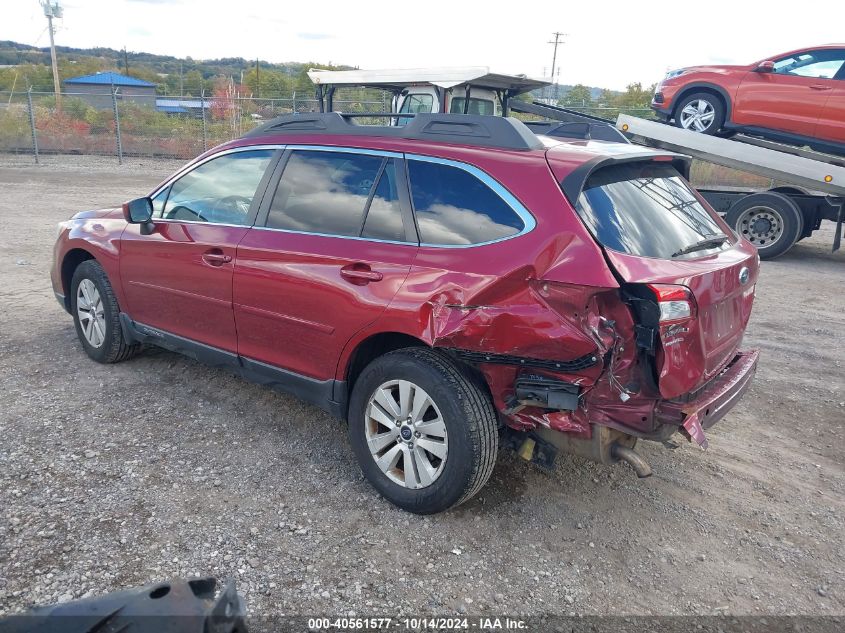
676, 302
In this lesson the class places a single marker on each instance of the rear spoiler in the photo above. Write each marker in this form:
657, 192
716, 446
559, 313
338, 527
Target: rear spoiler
573, 184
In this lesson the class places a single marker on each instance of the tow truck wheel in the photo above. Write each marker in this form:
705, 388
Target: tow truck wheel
701, 112
770, 221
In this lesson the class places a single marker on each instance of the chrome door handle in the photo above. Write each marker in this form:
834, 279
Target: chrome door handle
216, 257
360, 273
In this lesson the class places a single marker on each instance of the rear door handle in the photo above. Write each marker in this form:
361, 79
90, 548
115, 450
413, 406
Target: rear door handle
820, 87
360, 273
216, 257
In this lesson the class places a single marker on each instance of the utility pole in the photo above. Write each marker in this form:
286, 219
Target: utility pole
556, 41
257, 80
53, 11
125, 62
181, 80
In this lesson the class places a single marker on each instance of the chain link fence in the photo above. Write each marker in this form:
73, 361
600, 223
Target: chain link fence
107, 123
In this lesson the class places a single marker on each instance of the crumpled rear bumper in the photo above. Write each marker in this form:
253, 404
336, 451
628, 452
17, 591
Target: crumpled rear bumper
714, 401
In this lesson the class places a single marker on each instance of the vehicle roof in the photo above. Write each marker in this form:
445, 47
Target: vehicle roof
563, 155
448, 77
806, 48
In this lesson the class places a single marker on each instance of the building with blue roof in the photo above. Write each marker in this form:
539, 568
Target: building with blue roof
96, 89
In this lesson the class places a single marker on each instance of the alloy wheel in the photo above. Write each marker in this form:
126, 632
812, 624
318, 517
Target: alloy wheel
698, 115
406, 434
89, 309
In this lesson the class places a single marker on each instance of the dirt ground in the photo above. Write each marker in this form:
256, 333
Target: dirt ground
117, 476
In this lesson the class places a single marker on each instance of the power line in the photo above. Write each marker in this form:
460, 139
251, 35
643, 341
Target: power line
556, 41
53, 11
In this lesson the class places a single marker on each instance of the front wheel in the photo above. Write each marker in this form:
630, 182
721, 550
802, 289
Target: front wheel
424, 433
96, 315
701, 112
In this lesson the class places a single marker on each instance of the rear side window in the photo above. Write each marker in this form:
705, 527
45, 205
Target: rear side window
338, 193
453, 206
645, 209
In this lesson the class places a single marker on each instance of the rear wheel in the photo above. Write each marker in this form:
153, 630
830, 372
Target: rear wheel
770, 221
97, 315
425, 435
701, 112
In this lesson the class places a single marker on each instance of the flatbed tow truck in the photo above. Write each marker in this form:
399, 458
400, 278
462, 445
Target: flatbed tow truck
773, 219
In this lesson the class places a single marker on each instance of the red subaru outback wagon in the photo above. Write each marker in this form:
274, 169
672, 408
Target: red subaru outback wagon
437, 285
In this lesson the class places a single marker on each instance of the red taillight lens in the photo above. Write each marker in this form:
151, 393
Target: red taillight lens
676, 302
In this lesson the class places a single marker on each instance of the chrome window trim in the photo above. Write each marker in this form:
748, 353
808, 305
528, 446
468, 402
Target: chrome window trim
192, 166
340, 237
528, 221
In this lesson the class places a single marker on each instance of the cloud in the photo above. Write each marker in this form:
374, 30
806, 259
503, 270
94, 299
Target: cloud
315, 36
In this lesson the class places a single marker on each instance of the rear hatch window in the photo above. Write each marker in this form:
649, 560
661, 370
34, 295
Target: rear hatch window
648, 209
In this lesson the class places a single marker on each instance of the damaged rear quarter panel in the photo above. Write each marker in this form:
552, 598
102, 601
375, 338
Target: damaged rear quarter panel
547, 295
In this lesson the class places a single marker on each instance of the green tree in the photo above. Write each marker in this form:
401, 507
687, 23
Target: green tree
578, 95
635, 96
274, 84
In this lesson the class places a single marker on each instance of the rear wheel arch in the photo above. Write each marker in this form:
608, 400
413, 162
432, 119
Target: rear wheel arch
372, 347
377, 345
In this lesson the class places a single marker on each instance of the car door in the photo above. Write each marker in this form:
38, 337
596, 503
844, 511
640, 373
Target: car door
792, 97
177, 278
831, 125
333, 243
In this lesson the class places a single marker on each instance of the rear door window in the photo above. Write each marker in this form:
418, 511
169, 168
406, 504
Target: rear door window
338, 193
647, 209
453, 206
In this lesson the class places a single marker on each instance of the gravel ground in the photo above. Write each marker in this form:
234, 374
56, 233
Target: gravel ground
117, 476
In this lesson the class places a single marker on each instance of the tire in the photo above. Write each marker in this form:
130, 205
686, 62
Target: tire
469, 430
101, 335
706, 114
770, 221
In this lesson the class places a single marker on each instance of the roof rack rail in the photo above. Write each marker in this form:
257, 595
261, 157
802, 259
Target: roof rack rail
465, 129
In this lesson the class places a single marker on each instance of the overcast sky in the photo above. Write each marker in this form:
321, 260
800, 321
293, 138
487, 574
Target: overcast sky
608, 44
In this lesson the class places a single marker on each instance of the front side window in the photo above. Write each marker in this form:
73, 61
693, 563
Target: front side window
822, 64
649, 210
219, 191
415, 103
453, 206
476, 106
338, 193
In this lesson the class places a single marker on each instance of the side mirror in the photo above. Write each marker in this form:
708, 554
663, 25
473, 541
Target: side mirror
765, 67
139, 211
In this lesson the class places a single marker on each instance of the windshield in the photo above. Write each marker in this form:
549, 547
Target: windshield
648, 209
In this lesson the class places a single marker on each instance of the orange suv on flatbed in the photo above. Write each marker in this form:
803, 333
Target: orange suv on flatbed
796, 98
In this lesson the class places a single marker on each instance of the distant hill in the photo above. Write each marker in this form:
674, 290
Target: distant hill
15, 53
24, 65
